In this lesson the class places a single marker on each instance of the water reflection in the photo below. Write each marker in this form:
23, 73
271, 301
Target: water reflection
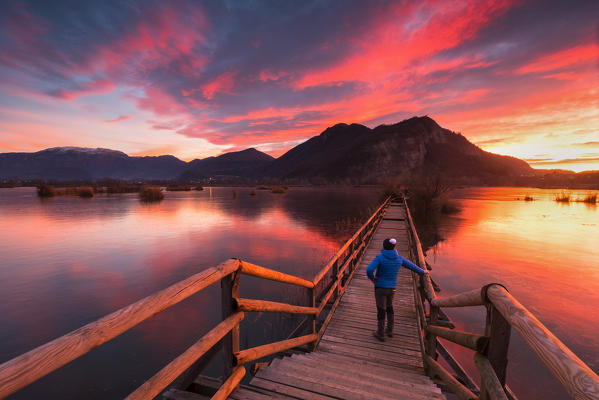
545, 252
66, 262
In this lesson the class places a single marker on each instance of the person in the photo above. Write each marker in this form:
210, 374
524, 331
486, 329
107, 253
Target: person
382, 271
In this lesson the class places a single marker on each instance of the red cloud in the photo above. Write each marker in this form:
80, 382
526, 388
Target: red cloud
583, 54
222, 84
97, 86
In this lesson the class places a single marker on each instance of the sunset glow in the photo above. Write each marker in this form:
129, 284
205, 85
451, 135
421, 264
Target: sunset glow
195, 79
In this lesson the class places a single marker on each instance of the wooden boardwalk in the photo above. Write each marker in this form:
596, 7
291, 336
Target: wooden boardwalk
349, 363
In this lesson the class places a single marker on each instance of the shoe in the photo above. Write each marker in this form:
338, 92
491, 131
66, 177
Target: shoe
390, 333
379, 337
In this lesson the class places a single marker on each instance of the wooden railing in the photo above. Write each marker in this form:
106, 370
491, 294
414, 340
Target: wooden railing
33, 365
504, 312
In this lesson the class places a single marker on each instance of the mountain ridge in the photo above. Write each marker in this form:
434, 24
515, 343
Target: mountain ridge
349, 153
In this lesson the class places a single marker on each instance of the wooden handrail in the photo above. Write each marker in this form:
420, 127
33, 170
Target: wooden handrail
273, 306
156, 384
466, 299
573, 374
230, 384
344, 248
456, 387
489, 381
262, 351
31, 366
466, 339
426, 279
270, 274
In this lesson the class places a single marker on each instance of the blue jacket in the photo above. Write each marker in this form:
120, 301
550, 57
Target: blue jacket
387, 265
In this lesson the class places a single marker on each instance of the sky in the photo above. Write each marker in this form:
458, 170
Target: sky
200, 78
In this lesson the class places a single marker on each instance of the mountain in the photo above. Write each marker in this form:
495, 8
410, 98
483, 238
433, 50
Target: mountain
78, 163
239, 164
342, 153
358, 154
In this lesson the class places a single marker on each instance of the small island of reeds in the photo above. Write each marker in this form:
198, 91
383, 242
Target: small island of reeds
149, 194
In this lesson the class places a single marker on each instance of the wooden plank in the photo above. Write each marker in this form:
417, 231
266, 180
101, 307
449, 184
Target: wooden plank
176, 394
283, 389
272, 348
31, 366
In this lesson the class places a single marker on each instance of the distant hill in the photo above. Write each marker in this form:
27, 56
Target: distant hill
340, 154
247, 163
78, 163
359, 154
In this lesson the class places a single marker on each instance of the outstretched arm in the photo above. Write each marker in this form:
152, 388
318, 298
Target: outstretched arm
412, 266
372, 268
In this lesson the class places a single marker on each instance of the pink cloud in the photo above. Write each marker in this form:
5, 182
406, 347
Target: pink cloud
222, 84
121, 118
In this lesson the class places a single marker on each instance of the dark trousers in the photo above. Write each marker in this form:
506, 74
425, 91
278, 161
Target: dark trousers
384, 306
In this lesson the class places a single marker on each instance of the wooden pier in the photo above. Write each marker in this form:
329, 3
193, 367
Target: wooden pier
349, 363
331, 354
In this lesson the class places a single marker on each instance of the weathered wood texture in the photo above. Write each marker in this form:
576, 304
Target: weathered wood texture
471, 298
31, 366
153, 386
466, 339
266, 273
574, 375
230, 384
349, 362
273, 306
492, 388
255, 353
456, 387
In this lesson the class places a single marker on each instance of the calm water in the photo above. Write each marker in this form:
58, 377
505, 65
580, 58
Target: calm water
66, 261
547, 255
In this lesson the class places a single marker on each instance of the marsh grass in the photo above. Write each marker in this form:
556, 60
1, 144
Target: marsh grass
529, 198
279, 189
590, 198
178, 188
253, 192
150, 194
198, 188
563, 197
85, 192
46, 191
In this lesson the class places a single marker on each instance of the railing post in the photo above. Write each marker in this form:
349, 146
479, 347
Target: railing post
229, 291
498, 330
431, 339
312, 318
334, 273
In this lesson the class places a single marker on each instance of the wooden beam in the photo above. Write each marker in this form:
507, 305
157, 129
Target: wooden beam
498, 330
490, 385
272, 306
255, 353
31, 366
454, 385
573, 374
466, 339
153, 386
466, 299
266, 273
230, 384
325, 299
457, 368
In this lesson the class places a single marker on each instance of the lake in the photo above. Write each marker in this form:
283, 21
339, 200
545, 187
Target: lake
546, 253
68, 261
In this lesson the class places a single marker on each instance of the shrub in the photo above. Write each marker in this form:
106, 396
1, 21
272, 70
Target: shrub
563, 197
46, 191
278, 189
150, 194
253, 192
590, 199
528, 198
178, 188
198, 188
85, 192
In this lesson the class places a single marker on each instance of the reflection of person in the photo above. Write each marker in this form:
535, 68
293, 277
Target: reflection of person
382, 271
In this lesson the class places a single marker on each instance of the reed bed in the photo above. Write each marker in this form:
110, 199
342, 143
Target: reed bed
563, 197
529, 198
149, 194
178, 188
279, 189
